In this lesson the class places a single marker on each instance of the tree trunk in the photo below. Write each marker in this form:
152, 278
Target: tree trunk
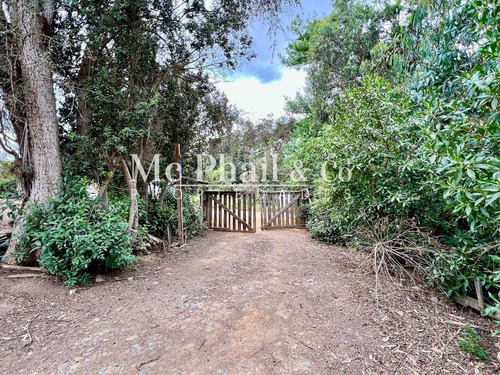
40, 101
33, 20
133, 220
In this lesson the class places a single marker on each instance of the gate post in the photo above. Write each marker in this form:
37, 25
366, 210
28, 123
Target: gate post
178, 192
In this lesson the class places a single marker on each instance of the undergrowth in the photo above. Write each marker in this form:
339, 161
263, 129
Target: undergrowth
75, 236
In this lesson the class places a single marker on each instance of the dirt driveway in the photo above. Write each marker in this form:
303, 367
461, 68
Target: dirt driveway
273, 302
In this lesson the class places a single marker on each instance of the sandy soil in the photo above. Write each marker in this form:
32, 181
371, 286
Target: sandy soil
273, 302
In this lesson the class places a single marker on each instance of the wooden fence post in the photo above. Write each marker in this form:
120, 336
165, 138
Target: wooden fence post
178, 191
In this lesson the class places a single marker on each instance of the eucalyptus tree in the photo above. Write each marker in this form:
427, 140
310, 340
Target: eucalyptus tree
27, 85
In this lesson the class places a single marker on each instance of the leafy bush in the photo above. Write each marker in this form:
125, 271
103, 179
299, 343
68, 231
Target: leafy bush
374, 168
455, 268
456, 86
8, 187
161, 215
428, 151
75, 235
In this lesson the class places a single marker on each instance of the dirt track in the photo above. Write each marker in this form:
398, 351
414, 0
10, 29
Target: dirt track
273, 302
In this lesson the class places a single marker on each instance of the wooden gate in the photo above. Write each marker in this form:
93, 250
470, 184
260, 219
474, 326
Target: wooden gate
281, 209
230, 211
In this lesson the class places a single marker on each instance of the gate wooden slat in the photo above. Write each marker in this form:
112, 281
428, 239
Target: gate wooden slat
288, 213
224, 200
254, 205
263, 207
281, 209
244, 213
250, 218
295, 209
214, 213
209, 211
274, 205
229, 211
278, 206
238, 198
233, 208
219, 213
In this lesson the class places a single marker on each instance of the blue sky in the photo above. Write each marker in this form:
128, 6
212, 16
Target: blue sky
260, 86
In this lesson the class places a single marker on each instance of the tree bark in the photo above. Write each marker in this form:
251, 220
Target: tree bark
40, 101
133, 221
33, 20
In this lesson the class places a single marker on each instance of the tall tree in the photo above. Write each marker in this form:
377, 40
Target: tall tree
41, 156
29, 67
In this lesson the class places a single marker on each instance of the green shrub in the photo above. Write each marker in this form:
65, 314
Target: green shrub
372, 140
75, 235
457, 90
162, 215
8, 187
470, 343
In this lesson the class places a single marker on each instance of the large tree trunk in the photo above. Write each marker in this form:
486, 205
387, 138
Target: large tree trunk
33, 20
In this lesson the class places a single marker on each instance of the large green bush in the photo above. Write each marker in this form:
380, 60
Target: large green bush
374, 166
75, 235
456, 89
429, 151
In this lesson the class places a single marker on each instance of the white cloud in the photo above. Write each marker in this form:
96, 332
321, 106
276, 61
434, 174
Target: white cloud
261, 99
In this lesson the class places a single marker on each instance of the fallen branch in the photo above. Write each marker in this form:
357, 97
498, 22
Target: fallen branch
445, 348
147, 362
255, 353
27, 329
203, 343
25, 276
22, 268
307, 346
400, 362
460, 324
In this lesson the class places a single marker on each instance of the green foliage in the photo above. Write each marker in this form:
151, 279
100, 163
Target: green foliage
372, 168
470, 343
339, 49
140, 81
254, 144
340, 42
8, 186
161, 216
456, 88
423, 144
75, 236
455, 268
